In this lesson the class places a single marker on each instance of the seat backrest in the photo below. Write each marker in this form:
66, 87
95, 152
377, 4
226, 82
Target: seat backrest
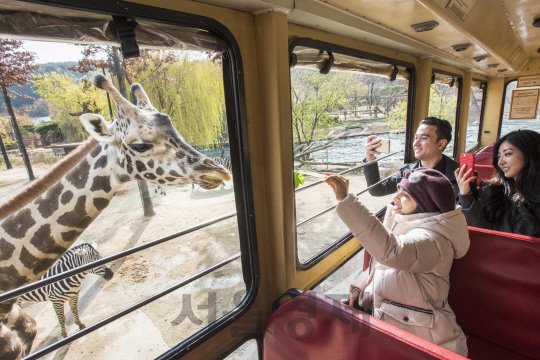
484, 156
495, 290
313, 326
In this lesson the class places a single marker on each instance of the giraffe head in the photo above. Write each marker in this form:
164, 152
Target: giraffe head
149, 147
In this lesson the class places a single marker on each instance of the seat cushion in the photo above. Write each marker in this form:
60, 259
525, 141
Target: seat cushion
482, 350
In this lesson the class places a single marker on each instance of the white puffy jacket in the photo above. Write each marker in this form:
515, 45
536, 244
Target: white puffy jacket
409, 274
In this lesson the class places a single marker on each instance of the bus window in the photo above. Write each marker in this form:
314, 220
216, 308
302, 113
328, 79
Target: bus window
444, 104
187, 271
248, 350
508, 125
476, 113
338, 100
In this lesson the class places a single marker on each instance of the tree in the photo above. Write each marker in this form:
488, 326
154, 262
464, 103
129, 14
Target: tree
389, 96
313, 97
15, 69
443, 102
68, 99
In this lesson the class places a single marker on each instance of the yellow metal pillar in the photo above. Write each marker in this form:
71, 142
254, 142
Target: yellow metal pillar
271, 34
464, 113
492, 111
423, 85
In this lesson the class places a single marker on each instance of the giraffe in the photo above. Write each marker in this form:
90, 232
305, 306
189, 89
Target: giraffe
140, 144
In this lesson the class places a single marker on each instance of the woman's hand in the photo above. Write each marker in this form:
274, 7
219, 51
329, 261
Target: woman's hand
354, 294
339, 184
462, 181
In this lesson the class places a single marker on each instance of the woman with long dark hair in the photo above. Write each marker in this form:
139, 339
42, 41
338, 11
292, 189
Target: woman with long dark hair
510, 201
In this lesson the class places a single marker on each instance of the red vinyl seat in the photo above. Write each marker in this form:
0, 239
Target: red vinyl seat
494, 292
483, 163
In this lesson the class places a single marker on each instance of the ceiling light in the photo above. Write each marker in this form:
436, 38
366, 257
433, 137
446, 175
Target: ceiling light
493, 65
461, 47
425, 26
480, 58
502, 70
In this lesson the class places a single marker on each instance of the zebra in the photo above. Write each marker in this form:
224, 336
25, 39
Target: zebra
68, 289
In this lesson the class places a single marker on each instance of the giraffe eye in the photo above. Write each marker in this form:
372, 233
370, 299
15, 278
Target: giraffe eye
141, 147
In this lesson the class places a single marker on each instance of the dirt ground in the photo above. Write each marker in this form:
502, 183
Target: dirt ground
154, 328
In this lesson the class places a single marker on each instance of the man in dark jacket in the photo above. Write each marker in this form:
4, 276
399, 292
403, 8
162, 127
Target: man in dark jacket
430, 140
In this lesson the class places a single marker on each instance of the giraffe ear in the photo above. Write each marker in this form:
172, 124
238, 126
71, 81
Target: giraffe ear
98, 128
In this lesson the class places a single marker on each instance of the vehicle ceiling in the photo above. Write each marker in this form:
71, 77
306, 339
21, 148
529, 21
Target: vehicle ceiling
501, 29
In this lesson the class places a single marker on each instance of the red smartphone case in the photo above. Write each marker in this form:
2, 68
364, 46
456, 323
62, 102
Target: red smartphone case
467, 160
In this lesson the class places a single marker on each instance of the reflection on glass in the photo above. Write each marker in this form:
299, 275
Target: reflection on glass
332, 116
443, 105
511, 125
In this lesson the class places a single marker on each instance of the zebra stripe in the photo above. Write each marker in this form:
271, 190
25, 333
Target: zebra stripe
226, 163
68, 289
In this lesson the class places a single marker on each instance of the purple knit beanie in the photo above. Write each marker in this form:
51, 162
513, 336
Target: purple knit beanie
431, 190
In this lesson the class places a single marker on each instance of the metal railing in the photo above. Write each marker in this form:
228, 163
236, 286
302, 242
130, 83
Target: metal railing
40, 283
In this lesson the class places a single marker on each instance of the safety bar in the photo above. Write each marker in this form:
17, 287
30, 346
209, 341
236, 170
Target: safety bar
332, 207
24, 289
126, 311
349, 170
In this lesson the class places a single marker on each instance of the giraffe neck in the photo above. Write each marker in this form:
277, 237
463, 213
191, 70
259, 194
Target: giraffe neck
36, 236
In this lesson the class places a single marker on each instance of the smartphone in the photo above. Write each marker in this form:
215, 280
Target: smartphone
384, 147
467, 160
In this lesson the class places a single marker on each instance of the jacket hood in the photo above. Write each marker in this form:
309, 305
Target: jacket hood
452, 225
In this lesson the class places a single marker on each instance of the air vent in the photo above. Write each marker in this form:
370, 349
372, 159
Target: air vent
461, 47
493, 65
502, 70
536, 22
538, 51
480, 58
425, 26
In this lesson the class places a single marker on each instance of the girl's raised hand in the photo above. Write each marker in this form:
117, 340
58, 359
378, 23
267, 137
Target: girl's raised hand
462, 180
339, 184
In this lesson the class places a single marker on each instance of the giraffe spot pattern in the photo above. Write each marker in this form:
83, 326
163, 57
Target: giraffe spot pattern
128, 158
101, 162
70, 236
150, 176
101, 183
44, 242
19, 223
32, 262
106, 147
170, 179
161, 181
129, 168
10, 278
192, 160
48, 204
123, 178
160, 171
174, 143
66, 197
6, 249
138, 177
95, 151
151, 164
77, 217
140, 166
174, 173
79, 175
101, 203
180, 154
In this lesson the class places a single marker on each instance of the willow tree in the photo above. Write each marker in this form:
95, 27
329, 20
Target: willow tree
68, 99
189, 90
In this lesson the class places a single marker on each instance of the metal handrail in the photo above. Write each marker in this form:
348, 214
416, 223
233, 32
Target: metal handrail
349, 170
24, 289
126, 311
332, 207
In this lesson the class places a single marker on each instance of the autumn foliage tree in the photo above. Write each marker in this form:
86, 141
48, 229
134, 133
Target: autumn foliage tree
16, 68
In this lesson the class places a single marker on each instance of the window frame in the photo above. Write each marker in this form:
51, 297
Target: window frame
326, 46
483, 87
258, 339
458, 105
235, 107
501, 115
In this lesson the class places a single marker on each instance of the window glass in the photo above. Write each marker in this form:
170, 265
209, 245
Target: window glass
475, 115
337, 284
333, 114
508, 125
247, 351
443, 105
187, 86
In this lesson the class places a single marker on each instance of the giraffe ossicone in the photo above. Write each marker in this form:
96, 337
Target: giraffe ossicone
140, 144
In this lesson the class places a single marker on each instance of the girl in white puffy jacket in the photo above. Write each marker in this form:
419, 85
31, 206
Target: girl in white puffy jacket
407, 281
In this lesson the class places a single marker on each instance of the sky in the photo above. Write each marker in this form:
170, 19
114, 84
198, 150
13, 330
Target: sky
53, 52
